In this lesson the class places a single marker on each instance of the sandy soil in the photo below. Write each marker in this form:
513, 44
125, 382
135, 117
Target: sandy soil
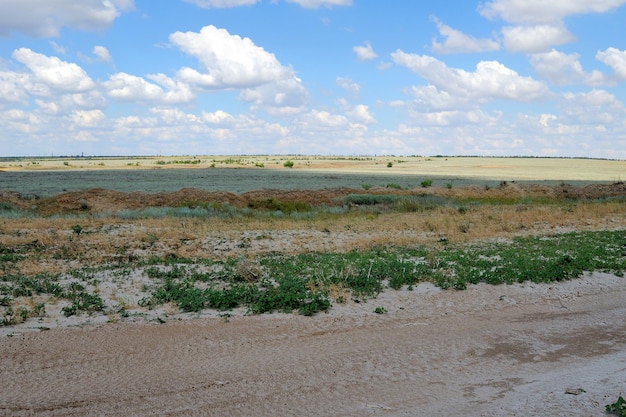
512, 350
538, 169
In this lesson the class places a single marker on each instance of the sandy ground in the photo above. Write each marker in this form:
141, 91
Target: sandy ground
488, 351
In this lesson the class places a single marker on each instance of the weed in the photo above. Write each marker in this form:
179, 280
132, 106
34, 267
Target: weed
380, 310
617, 408
426, 183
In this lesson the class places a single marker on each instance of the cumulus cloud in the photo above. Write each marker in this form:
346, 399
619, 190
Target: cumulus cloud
54, 73
565, 69
537, 38
127, 87
102, 54
491, 80
86, 118
13, 87
231, 62
281, 97
314, 4
615, 59
361, 114
429, 98
221, 4
541, 11
594, 107
227, 61
348, 85
45, 18
538, 24
458, 42
364, 53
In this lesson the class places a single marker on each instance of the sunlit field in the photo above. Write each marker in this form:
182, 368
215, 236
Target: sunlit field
107, 239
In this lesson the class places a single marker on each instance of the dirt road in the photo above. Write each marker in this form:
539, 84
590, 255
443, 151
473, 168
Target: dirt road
487, 351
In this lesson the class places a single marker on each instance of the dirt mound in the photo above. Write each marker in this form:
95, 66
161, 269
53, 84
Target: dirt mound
99, 200
18, 200
327, 197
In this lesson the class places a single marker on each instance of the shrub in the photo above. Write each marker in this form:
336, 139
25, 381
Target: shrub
617, 408
288, 164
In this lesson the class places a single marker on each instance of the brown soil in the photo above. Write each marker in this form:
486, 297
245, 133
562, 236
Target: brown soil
103, 200
519, 350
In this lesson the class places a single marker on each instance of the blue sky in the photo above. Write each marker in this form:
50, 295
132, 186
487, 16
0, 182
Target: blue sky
342, 77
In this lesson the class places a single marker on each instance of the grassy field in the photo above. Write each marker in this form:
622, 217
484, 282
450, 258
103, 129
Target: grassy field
324, 234
490, 168
49, 176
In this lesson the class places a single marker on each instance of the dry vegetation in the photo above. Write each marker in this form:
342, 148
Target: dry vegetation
477, 213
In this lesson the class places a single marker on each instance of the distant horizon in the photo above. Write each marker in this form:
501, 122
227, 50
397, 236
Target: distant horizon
321, 156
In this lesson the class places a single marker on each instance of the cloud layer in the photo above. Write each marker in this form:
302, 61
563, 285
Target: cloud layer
525, 85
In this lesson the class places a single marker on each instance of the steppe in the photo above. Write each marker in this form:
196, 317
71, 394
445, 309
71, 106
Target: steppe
105, 228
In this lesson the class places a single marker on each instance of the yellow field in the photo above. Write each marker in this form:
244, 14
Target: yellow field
509, 169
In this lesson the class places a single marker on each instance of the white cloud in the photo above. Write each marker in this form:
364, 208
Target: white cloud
66, 103
45, 18
361, 114
126, 87
598, 107
13, 87
537, 38
102, 54
314, 4
449, 118
615, 59
565, 69
458, 42
364, 53
227, 61
491, 80
58, 48
348, 85
430, 99
86, 118
221, 4
538, 24
542, 11
281, 97
54, 73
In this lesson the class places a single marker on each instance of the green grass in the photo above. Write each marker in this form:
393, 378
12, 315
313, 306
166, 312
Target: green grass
301, 282
618, 408
304, 282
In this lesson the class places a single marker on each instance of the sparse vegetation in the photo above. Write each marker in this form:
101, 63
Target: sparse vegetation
201, 250
618, 408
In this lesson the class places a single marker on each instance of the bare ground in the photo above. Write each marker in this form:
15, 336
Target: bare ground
488, 351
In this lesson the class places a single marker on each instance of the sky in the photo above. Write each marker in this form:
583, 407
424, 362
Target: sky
315, 77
